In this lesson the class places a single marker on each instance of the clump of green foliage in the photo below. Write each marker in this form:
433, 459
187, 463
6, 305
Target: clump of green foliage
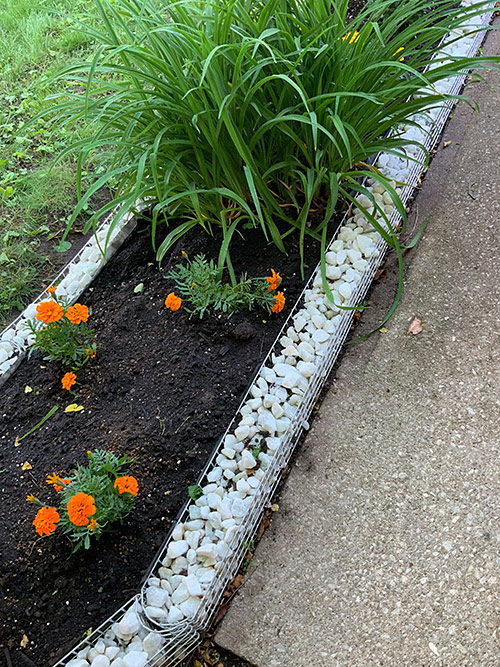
91, 499
199, 281
61, 332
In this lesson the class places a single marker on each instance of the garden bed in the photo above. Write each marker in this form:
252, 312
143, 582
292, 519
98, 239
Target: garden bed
163, 388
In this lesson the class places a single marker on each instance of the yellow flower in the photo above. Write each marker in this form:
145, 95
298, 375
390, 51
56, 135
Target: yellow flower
31, 498
354, 38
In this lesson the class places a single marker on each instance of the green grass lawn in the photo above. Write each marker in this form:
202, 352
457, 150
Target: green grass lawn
37, 37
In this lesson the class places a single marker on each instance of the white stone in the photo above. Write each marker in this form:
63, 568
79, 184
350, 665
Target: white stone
129, 624
277, 409
272, 444
100, 661
306, 351
306, 368
320, 336
345, 290
291, 379
180, 594
112, 652
206, 551
193, 586
135, 659
159, 613
175, 615
242, 431
190, 606
364, 244
78, 662
242, 486
299, 323
152, 643
156, 596
214, 475
193, 538
238, 507
247, 460
177, 548
267, 422
178, 532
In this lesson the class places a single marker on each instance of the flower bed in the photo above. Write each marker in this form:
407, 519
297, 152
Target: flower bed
246, 468
162, 388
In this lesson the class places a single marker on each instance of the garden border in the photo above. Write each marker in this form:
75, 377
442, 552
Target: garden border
178, 638
72, 280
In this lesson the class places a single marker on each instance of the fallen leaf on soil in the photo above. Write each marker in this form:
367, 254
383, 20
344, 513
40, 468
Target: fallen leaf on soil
275, 507
312, 613
28, 389
24, 641
446, 144
73, 407
415, 327
17, 441
379, 274
383, 330
26, 466
138, 289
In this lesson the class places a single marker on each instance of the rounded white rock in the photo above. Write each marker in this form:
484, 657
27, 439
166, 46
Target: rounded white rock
177, 548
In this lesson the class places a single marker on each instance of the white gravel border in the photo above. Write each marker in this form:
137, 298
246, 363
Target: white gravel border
205, 547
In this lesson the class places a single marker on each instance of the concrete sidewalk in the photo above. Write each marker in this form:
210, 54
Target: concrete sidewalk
386, 549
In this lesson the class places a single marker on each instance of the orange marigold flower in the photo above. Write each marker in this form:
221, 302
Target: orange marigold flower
127, 485
49, 311
279, 303
51, 289
31, 498
77, 313
173, 302
92, 524
274, 280
68, 380
45, 520
80, 507
90, 353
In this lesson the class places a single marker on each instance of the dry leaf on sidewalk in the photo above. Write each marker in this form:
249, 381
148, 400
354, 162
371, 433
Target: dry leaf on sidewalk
415, 327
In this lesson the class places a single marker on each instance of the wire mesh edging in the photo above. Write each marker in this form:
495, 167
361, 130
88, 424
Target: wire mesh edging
183, 636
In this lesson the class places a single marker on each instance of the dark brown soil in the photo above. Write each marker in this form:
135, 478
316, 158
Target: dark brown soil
162, 389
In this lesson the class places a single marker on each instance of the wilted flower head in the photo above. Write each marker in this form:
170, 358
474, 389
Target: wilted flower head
173, 302
274, 280
279, 303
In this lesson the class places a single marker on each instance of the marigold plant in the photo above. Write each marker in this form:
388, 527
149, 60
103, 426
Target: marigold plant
91, 499
61, 332
200, 283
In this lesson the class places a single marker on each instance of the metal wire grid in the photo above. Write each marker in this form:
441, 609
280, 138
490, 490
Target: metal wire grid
175, 649
182, 638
